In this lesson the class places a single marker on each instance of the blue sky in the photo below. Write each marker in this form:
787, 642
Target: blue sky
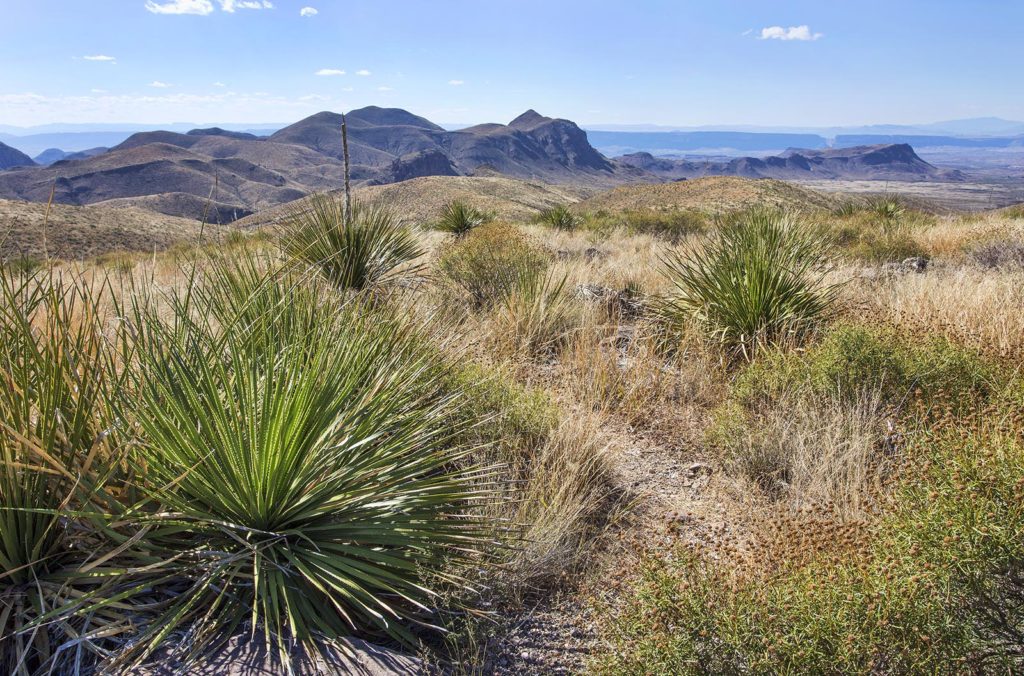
721, 62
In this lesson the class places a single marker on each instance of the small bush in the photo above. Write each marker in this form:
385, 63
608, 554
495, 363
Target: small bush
491, 263
852, 358
458, 218
560, 218
372, 250
758, 279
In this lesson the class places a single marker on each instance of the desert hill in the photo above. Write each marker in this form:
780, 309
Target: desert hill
81, 232
419, 200
12, 157
711, 194
896, 162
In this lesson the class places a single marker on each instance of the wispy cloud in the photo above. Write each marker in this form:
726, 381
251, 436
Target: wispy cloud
204, 7
159, 85
792, 33
201, 7
101, 57
456, 83
219, 84
98, 91
385, 89
363, 72
329, 72
232, 5
308, 11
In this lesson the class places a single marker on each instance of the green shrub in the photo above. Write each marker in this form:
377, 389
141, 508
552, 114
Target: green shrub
458, 218
674, 226
758, 279
371, 250
491, 263
560, 218
308, 481
935, 587
23, 265
851, 358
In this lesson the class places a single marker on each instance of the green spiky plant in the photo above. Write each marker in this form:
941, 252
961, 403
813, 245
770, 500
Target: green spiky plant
306, 491
759, 278
560, 218
458, 218
372, 249
58, 552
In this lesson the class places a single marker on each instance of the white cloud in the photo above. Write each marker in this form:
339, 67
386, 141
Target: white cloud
100, 57
791, 33
385, 89
201, 7
328, 72
159, 85
363, 72
232, 5
219, 84
308, 11
456, 83
98, 91
314, 97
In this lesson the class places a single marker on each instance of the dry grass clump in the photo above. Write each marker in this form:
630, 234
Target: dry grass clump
831, 451
983, 309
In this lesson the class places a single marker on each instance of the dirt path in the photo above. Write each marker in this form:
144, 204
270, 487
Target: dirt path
667, 487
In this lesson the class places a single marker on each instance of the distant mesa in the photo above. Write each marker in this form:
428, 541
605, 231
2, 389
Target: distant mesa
893, 162
177, 173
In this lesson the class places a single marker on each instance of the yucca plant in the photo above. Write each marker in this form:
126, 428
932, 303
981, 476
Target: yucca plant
890, 209
760, 277
307, 491
374, 248
560, 218
58, 552
458, 218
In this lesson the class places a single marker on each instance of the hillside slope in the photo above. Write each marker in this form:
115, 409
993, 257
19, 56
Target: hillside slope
419, 200
713, 194
81, 232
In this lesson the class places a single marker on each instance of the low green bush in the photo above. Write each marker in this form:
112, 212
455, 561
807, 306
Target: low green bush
850, 358
674, 225
491, 263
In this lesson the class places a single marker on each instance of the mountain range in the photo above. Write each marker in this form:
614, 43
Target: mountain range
225, 175
894, 162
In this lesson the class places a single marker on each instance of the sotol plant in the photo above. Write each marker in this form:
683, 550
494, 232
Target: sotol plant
758, 278
369, 250
58, 552
307, 479
458, 218
560, 218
